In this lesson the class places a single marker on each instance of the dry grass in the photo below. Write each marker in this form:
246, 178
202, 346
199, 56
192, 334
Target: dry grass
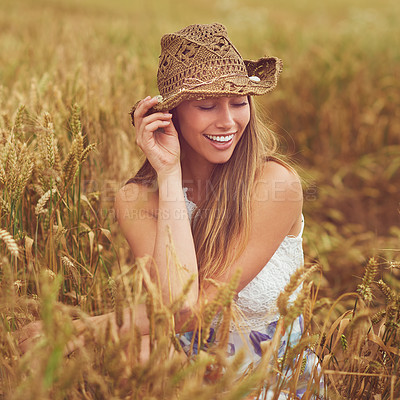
69, 73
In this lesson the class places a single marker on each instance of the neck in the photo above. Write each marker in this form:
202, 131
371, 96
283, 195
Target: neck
195, 176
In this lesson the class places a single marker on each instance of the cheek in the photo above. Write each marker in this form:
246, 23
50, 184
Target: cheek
187, 129
245, 118
191, 124
184, 128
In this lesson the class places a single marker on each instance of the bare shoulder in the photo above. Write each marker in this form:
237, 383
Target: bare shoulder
278, 182
136, 211
135, 197
276, 212
278, 197
133, 192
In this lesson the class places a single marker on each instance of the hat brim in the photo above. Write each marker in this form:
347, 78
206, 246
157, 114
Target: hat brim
262, 78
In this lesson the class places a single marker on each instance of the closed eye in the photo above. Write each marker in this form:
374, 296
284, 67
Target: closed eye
206, 107
240, 104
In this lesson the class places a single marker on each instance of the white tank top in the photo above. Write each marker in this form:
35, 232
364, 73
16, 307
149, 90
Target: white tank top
257, 300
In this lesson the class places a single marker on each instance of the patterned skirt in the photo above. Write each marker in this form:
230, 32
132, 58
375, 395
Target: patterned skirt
251, 340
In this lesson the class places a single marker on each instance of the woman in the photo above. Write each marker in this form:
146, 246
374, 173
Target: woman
212, 183
211, 179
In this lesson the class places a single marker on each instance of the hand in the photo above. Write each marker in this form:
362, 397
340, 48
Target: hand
28, 335
157, 137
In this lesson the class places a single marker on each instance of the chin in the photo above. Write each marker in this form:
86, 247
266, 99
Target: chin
221, 160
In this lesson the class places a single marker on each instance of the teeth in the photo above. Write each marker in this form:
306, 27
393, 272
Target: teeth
220, 138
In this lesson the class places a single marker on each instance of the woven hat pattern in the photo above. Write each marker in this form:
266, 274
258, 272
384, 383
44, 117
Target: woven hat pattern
192, 57
200, 61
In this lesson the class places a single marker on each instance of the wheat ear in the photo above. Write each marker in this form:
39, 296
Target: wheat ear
17, 129
39, 209
364, 288
10, 242
386, 290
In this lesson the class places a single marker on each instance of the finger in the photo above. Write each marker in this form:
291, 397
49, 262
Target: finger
139, 106
152, 127
146, 136
145, 106
156, 116
170, 129
148, 124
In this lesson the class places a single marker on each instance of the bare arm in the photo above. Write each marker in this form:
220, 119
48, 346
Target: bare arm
163, 151
173, 217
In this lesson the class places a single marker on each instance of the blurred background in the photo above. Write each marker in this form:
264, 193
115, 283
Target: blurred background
336, 109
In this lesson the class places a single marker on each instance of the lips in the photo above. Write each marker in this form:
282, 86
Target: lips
221, 142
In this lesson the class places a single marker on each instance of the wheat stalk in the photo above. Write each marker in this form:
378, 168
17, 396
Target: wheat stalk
75, 124
26, 171
119, 305
78, 147
112, 285
86, 152
364, 288
39, 209
386, 290
70, 166
3, 178
51, 143
300, 275
17, 129
70, 267
10, 242
11, 165
377, 317
296, 309
307, 312
5, 206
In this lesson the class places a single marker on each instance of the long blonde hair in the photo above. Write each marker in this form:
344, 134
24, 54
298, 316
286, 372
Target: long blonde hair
221, 223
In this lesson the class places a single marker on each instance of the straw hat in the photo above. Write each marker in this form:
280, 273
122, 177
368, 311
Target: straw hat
199, 61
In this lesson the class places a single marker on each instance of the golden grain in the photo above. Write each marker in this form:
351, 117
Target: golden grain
86, 151
78, 147
10, 242
18, 128
3, 178
75, 122
70, 166
39, 209
70, 268
386, 290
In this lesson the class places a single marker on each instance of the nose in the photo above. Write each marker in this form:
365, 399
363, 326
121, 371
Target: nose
225, 120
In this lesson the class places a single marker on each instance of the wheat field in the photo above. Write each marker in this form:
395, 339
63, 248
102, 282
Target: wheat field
69, 73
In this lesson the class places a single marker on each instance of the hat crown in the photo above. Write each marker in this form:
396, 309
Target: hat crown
199, 61
194, 55
202, 34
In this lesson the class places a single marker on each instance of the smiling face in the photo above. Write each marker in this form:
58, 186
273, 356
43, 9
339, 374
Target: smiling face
211, 128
